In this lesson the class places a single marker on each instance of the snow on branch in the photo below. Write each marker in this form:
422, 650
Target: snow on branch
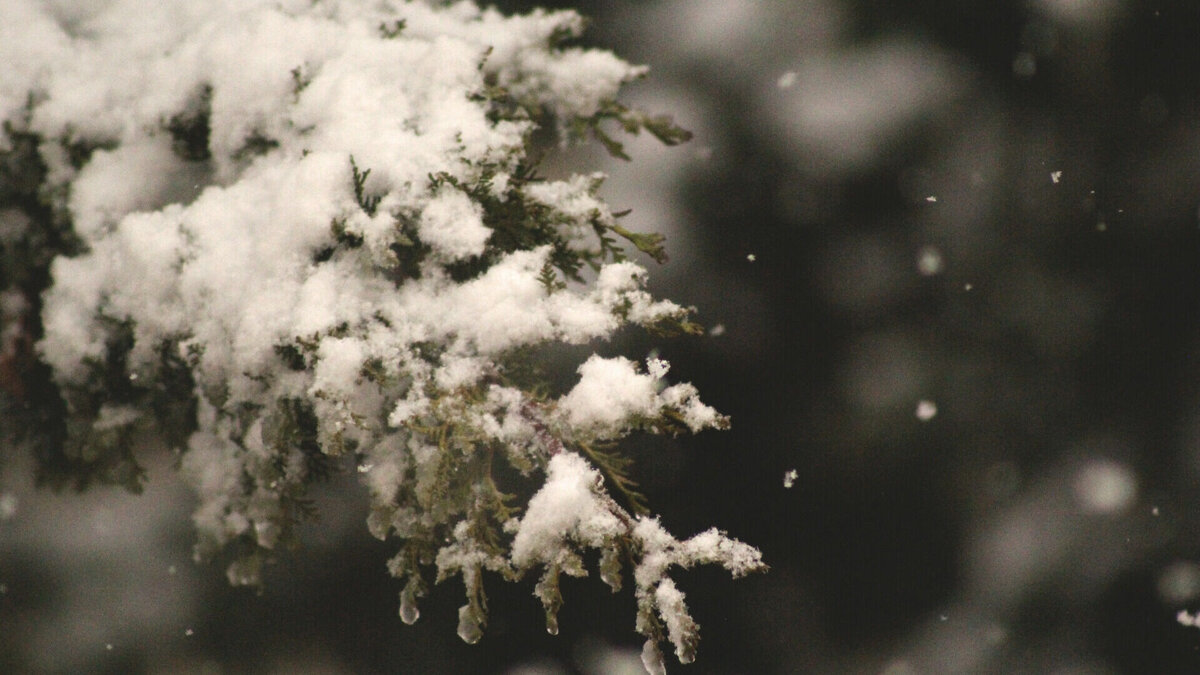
280, 234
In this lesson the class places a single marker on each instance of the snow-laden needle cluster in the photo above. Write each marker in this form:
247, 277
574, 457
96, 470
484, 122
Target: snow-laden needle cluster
293, 231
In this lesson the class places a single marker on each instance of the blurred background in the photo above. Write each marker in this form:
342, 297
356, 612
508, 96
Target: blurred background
949, 256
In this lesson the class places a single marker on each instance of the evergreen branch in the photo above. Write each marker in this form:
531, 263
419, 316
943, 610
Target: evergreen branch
615, 468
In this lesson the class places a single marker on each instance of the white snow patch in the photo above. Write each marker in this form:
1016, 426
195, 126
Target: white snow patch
609, 392
453, 225
566, 508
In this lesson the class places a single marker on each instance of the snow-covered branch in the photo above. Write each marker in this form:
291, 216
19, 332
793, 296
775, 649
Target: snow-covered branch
287, 232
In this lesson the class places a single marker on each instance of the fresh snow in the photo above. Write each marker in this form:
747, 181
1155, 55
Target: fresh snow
257, 168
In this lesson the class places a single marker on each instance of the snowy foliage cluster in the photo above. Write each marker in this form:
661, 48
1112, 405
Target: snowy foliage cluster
288, 236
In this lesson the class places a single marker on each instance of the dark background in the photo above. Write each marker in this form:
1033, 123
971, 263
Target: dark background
892, 169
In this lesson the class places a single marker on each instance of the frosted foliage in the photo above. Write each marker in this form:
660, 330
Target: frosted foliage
314, 230
680, 626
573, 200
659, 600
568, 507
